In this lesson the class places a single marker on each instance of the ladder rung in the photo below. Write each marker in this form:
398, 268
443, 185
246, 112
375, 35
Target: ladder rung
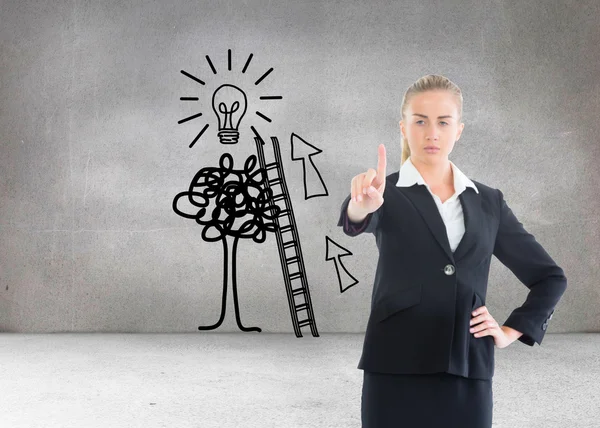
296, 275
271, 165
275, 181
285, 228
307, 321
292, 259
289, 244
302, 306
297, 291
278, 197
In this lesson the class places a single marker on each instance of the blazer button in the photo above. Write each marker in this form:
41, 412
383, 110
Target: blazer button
550, 317
545, 325
449, 270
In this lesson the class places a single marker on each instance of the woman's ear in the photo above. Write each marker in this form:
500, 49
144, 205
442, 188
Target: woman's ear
462, 126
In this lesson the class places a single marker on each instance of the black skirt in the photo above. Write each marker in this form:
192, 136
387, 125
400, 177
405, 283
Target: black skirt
438, 400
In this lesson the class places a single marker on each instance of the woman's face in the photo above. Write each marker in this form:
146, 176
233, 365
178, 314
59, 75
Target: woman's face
432, 130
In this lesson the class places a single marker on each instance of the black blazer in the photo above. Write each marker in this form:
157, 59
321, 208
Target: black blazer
424, 294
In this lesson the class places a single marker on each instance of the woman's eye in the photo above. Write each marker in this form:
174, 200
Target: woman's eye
440, 122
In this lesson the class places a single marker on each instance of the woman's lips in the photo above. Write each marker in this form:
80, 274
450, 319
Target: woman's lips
432, 149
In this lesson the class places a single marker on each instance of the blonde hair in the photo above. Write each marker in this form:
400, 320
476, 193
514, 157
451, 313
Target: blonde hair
430, 82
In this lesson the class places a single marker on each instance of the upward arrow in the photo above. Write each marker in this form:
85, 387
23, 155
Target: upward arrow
335, 252
300, 151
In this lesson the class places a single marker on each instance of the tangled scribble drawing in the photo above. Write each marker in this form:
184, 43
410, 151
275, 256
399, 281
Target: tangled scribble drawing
235, 193
255, 195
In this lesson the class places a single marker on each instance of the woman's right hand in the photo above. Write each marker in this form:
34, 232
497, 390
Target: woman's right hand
367, 187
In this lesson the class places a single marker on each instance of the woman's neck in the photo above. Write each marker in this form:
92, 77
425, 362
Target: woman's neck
436, 175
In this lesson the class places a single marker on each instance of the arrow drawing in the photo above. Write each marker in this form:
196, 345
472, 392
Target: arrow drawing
301, 150
336, 253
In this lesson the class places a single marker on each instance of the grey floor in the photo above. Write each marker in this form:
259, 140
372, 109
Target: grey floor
259, 380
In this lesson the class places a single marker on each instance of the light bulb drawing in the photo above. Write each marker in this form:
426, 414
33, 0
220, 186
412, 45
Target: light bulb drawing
230, 114
229, 104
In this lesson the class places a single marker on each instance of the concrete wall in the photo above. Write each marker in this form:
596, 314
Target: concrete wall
92, 155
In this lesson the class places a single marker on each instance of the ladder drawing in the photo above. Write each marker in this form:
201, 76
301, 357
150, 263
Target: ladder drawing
288, 241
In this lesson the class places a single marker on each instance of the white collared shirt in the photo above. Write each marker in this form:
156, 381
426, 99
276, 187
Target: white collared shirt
451, 210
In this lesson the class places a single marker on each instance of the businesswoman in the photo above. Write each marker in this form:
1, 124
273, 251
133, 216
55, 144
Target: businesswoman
428, 353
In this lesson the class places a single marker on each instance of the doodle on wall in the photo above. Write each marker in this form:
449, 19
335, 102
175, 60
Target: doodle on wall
332, 253
301, 146
248, 191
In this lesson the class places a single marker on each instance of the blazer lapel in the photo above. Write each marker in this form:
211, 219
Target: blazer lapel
471, 205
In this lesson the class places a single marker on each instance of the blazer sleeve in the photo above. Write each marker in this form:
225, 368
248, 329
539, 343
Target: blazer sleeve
518, 250
368, 225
